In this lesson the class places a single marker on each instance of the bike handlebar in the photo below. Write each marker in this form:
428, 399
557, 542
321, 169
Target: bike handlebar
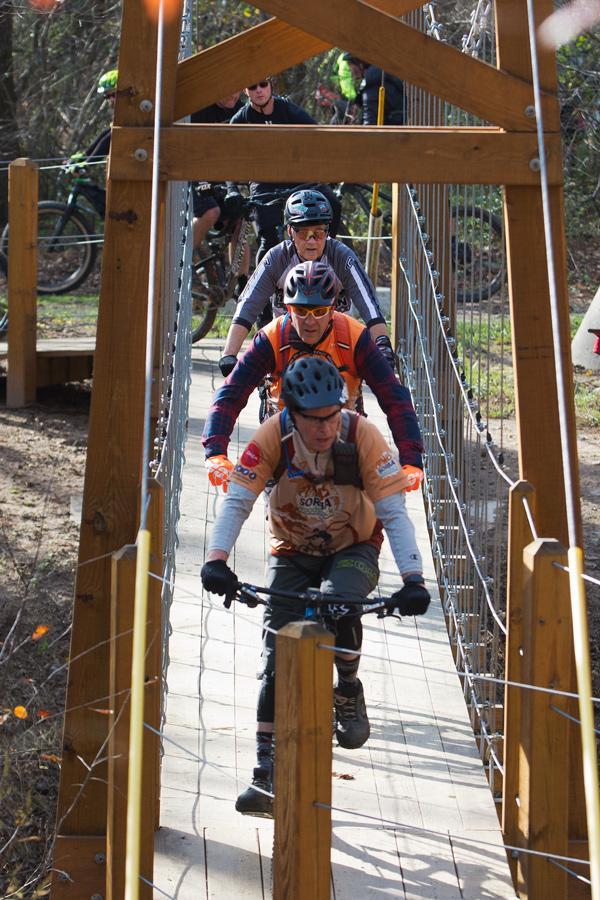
249, 594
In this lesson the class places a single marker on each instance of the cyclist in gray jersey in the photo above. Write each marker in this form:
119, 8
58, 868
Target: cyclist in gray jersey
307, 216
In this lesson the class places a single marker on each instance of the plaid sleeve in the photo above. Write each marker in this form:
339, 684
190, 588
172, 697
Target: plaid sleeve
393, 398
230, 399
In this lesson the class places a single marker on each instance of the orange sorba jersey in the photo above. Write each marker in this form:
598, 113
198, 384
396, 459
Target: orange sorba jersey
337, 346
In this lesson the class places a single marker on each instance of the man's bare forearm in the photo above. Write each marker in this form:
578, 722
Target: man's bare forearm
235, 338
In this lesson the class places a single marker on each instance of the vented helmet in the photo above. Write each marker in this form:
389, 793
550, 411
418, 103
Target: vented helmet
311, 283
307, 207
108, 82
312, 382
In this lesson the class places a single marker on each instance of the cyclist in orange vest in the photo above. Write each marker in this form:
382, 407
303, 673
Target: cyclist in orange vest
312, 326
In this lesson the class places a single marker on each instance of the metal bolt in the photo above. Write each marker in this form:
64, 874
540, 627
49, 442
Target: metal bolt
534, 164
96, 897
530, 111
146, 105
140, 154
100, 858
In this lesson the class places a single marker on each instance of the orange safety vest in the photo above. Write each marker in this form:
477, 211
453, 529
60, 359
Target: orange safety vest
338, 348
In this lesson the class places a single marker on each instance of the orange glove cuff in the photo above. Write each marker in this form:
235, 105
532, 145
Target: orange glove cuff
415, 476
219, 468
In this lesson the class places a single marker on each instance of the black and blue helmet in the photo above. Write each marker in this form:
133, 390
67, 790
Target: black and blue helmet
312, 382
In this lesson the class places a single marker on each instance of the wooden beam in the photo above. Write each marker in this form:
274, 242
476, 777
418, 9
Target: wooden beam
540, 451
303, 703
22, 282
300, 153
267, 48
496, 96
114, 456
544, 745
519, 536
227, 67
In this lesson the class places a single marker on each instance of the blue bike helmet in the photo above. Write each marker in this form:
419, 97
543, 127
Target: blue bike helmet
311, 283
306, 207
310, 382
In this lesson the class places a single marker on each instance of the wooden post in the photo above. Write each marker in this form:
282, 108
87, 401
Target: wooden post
22, 282
543, 798
519, 536
540, 452
113, 470
303, 710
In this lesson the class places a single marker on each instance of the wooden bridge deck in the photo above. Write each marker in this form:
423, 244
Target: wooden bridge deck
420, 769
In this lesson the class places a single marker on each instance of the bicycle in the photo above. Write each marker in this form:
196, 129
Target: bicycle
343, 112
67, 236
476, 245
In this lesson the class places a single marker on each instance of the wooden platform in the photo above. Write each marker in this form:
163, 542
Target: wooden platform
419, 770
60, 360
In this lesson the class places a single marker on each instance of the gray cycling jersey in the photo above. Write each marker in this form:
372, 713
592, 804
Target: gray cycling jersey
269, 279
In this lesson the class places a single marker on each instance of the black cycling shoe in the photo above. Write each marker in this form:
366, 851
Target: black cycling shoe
254, 803
352, 728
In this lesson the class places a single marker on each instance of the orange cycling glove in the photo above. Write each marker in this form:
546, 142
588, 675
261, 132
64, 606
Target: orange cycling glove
219, 468
415, 476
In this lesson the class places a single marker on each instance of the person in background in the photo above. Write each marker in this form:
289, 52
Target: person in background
353, 71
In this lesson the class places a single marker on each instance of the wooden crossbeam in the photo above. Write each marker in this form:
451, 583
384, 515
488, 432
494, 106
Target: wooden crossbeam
267, 48
472, 85
300, 153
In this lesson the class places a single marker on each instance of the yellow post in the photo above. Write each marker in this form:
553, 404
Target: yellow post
136, 726
375, 218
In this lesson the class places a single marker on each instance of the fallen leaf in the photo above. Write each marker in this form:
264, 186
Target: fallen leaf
343, 775
43, 713
50, 757
20, 712
39, 632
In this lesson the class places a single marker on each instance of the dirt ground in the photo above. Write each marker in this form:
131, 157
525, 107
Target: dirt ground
43, 457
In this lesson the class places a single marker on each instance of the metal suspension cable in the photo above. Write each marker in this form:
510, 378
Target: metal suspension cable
574, 554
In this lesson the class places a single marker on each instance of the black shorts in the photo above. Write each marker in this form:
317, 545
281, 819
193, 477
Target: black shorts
351, 573
203, 198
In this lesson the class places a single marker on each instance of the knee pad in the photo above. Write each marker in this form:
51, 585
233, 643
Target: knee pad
265, 709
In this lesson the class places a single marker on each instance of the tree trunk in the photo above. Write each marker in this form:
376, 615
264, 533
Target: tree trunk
10, 146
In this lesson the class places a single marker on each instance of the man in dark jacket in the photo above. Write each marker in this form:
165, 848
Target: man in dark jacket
394, 111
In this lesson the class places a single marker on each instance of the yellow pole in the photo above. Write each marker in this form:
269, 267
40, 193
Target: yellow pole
380, 110
581, 642
136, 727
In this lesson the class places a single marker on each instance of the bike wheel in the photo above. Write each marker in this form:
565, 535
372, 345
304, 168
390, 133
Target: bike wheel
66, 252
207, 296
477, 253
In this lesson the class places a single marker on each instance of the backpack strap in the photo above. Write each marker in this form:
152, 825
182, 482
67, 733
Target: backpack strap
341, 328
345, 452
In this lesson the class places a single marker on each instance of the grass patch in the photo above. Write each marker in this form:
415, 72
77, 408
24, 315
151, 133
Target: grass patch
485, 354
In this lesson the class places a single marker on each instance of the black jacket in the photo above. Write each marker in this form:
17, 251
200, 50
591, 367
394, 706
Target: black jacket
394, 112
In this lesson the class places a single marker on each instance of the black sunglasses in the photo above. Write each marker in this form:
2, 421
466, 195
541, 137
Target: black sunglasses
261, 84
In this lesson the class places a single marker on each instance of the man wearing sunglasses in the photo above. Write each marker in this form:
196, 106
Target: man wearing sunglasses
308, 216
312, 326
266, 108
335, 486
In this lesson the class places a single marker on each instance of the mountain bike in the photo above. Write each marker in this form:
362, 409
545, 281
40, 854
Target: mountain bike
68, 236
3, 295
342, 111
476, 240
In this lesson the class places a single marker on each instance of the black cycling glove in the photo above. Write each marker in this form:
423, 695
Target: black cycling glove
385, 346
412, 600
218, 578
227, 364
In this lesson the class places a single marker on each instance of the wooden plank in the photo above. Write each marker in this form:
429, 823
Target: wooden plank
540, 451
519, 536
301, 864
60, 369
114, 459
496, 96
227, 67
80, 867
544, 751
334, 153
22, 282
